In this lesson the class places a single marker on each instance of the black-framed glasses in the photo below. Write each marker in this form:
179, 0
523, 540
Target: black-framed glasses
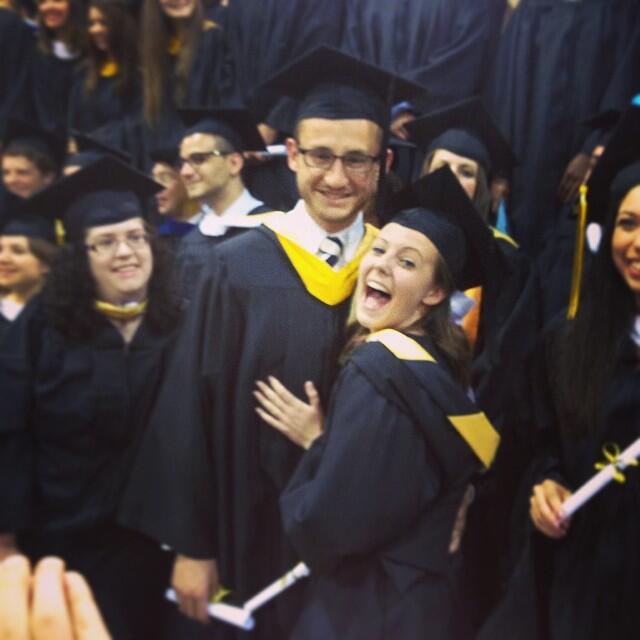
198, 158
353, 162
108, 245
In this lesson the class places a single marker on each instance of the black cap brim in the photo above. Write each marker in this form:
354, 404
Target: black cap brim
237, 126
41, 140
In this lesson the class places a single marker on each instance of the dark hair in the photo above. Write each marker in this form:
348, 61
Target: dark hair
44, 162
44, 250
448, 337
73, 33
587, 348
156, 32
70, 292
123, 47
482, 195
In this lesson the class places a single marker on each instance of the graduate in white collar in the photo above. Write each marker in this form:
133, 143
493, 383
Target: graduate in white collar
211, 164
209, 476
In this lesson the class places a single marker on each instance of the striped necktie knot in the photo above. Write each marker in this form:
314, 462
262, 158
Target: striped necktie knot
331, 249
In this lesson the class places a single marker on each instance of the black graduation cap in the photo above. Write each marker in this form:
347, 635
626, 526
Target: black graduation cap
466, 129
236, 126
618, 169
165, 155
438, 207
91, 149
42, 140
30, 226
329, 83
106, 192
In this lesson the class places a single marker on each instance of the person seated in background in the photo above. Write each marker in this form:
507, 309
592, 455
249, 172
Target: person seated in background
377, 505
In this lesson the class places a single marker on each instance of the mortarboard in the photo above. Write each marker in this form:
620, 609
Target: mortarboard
106, 192
328, 83
91, 149
466, 129
47, 142
236, 126
30, 226
438, 207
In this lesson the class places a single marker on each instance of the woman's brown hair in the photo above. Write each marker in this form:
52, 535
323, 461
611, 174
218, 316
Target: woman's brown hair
73, 34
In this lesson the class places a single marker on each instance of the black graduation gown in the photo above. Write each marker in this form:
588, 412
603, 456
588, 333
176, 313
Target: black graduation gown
194, 249
4, 325
72, 415
104, 107
16, 49
372, 506
442, 44
581, 587
553, 67
214, 470
51, 79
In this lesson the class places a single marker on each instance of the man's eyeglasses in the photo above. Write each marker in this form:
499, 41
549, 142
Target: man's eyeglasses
199, 158
353, 162
108, 245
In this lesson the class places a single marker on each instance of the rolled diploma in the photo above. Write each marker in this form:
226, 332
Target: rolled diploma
299, 571
600, 480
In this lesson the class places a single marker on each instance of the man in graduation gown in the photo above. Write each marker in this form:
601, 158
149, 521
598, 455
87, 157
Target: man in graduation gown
211, 167
272, 301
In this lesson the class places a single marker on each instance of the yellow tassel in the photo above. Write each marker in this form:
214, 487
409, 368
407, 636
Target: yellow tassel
60, 232
578, 255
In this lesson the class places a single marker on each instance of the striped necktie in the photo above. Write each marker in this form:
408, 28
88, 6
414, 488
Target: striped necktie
331, 250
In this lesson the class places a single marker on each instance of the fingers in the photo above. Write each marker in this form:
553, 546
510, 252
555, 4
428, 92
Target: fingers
312, 394
14, 598
282, 393
87, 621
270, 420
263, 396
192, 580
546, 508
49, 617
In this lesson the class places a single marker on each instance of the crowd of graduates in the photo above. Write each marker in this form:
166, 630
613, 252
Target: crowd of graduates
353, 284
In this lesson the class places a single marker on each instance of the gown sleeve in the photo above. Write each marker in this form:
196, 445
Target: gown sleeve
362, 483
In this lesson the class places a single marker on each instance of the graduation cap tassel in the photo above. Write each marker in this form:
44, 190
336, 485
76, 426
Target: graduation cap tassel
578, 255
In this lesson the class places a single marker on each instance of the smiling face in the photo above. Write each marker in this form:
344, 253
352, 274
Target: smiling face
625, 242
20, 270
121, 275
396, 283
178, 9
465, 169
98, 30
22, 177
54, 13
334, 197
173, 198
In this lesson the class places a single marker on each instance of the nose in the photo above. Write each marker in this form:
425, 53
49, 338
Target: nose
186, 170
335, 176
123, 248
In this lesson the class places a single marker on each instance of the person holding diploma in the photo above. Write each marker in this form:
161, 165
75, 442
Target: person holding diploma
377, 505
589, 406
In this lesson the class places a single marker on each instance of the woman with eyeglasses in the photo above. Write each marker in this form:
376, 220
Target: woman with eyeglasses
78, 378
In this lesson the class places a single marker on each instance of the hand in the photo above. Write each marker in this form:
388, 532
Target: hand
299, 421
546, 509
397, 127
194, 582
51, 605
574, 175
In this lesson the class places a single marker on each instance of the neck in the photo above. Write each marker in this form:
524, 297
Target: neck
187, 212
333, 227
22, 295
221, 201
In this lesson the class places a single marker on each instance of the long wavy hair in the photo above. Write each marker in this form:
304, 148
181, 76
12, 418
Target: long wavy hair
448, 337
157, 30
73, 33
123, 48
70, 292
587, 348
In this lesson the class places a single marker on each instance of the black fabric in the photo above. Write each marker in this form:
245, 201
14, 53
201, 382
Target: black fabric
103, 106
73, 414
372, 505
210, 472
272, 181
16, 48
553, 67
441, 44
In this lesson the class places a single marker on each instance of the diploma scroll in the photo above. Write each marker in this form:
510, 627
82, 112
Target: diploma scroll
243, 616
617, 462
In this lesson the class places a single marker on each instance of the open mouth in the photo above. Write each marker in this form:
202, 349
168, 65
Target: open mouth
375, 296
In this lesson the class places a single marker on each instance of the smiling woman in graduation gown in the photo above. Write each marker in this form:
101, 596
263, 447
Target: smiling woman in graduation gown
376, 507
79, 375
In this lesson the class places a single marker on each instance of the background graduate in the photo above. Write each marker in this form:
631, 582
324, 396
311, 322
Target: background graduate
377, 506
274, 300
79, 374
